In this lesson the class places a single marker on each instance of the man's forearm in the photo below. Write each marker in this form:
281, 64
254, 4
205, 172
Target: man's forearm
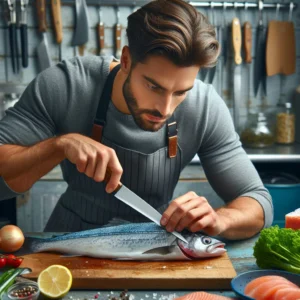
22, 166
243, 217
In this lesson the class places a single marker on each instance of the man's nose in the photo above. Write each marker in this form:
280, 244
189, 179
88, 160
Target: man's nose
165, 105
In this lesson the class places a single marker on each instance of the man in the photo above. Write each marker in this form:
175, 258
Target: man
141, 121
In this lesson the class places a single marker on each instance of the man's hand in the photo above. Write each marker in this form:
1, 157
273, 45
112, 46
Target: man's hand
91, 158
194, 213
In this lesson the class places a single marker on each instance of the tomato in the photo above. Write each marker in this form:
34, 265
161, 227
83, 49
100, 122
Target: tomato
9, 259
2, 262
16, 262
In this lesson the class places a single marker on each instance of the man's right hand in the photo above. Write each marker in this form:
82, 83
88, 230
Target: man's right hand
91, 158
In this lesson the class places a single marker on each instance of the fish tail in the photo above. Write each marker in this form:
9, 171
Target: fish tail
31, 245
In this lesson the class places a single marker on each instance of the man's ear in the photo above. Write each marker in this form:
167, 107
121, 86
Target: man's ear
125, 60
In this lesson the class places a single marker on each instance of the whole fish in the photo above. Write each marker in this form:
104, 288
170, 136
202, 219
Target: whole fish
133, 241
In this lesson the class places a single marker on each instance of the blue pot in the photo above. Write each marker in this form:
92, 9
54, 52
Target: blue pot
286, 198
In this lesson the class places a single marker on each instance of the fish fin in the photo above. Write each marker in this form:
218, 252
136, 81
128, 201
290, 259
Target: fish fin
116, 222
160, 250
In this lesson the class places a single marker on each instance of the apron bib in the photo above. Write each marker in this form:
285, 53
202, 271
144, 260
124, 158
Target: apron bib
152, 176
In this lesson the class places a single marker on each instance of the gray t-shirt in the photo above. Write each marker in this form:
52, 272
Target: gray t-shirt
64, 99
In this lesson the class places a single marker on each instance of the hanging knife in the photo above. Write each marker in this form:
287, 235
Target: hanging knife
130, 198
100, 31
118, 32
12, 27
212, 71
56, 14
237, 80
23, 32
81, 34
260, 53
43, 48
247, 39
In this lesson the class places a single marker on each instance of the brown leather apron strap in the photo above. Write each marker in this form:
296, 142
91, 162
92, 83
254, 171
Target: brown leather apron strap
172, 137
100, 119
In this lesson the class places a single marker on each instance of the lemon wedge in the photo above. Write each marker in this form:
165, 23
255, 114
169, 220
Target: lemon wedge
55, 281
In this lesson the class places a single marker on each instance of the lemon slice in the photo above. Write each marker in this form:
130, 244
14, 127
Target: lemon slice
55, 281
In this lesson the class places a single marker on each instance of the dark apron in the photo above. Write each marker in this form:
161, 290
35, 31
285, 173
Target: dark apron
151, 176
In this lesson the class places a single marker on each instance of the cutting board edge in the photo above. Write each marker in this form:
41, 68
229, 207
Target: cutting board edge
146, 284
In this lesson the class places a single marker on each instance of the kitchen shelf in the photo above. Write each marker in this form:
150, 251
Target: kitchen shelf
275, 153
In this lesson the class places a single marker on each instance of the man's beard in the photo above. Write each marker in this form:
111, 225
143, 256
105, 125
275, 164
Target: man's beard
137, 113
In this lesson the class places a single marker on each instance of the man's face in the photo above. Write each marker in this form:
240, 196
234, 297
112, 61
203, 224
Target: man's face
154, 89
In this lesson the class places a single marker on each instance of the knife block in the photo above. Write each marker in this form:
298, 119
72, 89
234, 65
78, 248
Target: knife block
297, 114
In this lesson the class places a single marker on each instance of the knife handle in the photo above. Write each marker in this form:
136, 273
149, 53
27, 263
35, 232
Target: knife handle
118, 40
24, 44
56, 13
41, 13
247, 42
100, 30
237, 40
13, 44
107, 178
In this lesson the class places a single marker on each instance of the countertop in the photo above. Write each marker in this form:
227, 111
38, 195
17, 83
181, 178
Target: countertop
240, 253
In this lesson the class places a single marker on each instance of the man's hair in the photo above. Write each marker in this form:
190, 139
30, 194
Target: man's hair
174, 29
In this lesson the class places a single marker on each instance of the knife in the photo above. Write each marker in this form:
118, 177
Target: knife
24, 33
118, 32
43, 48
237, 80
133, 200
100, 31
248, 47
81, 34
56, 14
12, 28
212, 71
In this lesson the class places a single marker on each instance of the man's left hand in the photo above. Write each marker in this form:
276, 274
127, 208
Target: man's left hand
194, 213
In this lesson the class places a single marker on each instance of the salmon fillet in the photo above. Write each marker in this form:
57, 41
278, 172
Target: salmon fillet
203, 296
287, 294
255, 283
268, 287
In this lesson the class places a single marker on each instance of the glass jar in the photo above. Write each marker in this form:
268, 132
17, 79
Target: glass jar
285, 124
258, 132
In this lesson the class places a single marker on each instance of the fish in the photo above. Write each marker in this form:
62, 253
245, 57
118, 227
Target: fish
130, 241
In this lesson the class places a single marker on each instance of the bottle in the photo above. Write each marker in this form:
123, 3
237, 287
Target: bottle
258, 132
285, 125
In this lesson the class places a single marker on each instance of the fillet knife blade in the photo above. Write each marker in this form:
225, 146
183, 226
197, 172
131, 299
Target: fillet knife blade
133, 200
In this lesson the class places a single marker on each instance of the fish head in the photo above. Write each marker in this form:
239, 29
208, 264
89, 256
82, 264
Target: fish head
200, 246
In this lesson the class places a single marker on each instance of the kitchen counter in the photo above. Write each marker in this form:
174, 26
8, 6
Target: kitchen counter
240, 253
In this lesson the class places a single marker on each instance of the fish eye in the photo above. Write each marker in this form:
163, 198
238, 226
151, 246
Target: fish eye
206, 240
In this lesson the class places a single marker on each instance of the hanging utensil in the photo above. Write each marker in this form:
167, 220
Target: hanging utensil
118, 32
237, 77
288, 62
100, 31
42, 48
12, 27
81, 33
260, 53
223, 34
212, 71
24, 33
57, 20
247, 39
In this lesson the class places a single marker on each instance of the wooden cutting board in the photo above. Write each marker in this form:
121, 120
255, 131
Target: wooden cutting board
95, 273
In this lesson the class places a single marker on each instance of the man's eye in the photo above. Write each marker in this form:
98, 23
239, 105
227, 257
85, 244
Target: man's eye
153, 87
181, 94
